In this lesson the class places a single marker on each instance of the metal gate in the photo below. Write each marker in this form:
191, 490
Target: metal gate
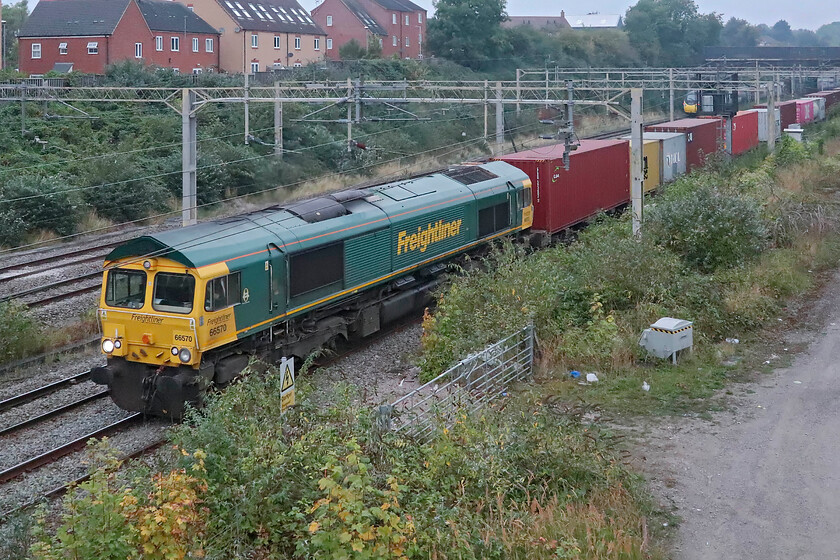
464, 388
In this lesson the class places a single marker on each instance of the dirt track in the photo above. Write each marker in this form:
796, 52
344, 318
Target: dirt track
762, 481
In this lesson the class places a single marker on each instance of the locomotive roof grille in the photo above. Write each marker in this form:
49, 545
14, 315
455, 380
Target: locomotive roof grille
469, 174
317, 209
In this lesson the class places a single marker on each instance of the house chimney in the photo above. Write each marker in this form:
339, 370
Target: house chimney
562, 13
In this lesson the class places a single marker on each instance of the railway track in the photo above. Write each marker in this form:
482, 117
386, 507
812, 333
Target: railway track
55, 285
52, 413
57, 453
95, 253
30, 396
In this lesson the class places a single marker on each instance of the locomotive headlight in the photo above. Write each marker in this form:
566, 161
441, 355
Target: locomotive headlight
107, 346
118, 343
185, 355
174, 350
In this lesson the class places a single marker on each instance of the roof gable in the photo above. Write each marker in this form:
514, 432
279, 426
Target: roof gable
281, 16
364, 17
74, 18
172, 16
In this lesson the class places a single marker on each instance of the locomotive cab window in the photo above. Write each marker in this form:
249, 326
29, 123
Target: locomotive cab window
493, 219
316, 269
524, 197
173, 292
223, 292
125, 288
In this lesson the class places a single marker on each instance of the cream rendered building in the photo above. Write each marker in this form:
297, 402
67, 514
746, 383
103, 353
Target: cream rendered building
261, 36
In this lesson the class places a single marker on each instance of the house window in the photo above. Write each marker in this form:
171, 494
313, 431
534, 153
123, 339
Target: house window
138, 50
36, 50
62, 48
406, 41
329, 21
297, 64
394, 19
406, 19
175, 44
329, 44
277, 41
255, 67
208, 45
255, 41
195, 44
394, 40
159, 43
419, 17
317, 44
93, 47
297, 43
196, 71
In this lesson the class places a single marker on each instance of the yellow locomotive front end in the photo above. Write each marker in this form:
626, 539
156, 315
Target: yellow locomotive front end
151, 334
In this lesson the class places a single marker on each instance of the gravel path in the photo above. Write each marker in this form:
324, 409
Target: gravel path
382, 372
761, 480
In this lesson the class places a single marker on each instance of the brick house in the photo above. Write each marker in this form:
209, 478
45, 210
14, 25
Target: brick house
261, 35
399, 24
345, 20
91, 34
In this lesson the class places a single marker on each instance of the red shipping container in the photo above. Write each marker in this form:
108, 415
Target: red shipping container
701, 137
804, 111
744, 132
598, 179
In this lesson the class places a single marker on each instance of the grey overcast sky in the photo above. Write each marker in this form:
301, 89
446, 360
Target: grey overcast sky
808, 14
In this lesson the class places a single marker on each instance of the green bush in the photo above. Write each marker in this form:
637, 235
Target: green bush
708, 228
120, 190
20, 335
790, 152
320, 481
31, 202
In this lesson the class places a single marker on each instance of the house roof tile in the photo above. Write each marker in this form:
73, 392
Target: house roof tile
172, 16
365, 17
400, 5
74, 18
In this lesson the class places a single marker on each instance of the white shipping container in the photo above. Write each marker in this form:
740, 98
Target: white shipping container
672, 154
819, 108
762, 124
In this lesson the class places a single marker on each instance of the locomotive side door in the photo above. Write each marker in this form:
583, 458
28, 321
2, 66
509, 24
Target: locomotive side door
275, 268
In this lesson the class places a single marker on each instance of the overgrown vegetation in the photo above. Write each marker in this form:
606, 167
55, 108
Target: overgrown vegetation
321, 481
725, 248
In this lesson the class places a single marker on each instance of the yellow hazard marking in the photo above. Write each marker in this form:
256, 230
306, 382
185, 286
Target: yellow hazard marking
670, 332
288, 380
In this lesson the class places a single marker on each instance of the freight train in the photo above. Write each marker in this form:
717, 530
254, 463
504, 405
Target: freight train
184, 310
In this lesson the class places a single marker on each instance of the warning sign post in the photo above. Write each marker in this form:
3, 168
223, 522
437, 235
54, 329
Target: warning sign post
287, 390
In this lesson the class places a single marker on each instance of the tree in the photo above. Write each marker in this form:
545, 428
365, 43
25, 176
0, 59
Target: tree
805, 38
468, 31
671, 31
781, 31
15, 16
739, 33
829, 34
353, 50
